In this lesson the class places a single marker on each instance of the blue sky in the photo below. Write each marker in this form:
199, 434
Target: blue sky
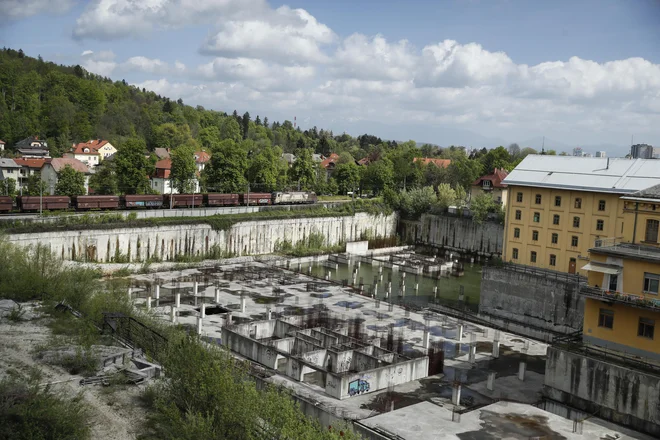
471, 72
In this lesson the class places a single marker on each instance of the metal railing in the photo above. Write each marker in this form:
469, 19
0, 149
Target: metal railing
617, 244
546, 273
623, 359
621, 297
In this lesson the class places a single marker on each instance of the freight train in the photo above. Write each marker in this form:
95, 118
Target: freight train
167, 201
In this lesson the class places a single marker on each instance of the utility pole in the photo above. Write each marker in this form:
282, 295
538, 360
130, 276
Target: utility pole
41, 197
248, 194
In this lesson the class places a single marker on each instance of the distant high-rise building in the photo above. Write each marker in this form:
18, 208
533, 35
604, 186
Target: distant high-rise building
641, 151
656, 153
577, 151
601, 154
587, 155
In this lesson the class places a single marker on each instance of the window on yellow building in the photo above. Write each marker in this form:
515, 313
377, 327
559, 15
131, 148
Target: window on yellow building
651, 231
553, 260
519, 197
557, 200
537, 217
606, 318
578, 203
535, 235
555, 238
555, 219
538, 199
574, 241
646, 328
514, 254
532, 257
601, 205
518, 214
516, 233
600, 225
576, 222
651, 283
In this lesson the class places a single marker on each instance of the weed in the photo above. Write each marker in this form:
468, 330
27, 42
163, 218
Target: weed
16, 314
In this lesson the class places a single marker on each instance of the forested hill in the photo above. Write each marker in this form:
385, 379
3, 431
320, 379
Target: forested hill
66, 104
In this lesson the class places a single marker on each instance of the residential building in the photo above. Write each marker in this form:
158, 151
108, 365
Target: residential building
577, 151
558, 206
601, 154
161, 180
32, 147
9, 170
329, 164
51, 169
92, 152
440, 163
162, 153
201, 159
29, 167
289, 158
641, 151
492, 185
2, 145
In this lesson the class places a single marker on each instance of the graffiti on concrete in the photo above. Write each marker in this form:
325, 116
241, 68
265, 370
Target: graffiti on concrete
358, 386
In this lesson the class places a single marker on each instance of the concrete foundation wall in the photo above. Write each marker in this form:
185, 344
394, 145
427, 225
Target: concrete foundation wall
455, 233
619, 394
168, 242
530, 299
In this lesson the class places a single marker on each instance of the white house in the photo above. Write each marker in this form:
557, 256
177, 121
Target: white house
92, 152
51, 169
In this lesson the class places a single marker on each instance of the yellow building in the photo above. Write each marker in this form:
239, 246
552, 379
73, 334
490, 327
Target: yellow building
622, 302
559, 206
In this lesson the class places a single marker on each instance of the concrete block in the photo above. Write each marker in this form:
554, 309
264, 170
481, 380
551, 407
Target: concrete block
177, 300
522, 368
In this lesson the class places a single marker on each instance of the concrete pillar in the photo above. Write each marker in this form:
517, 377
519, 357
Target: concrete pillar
148, 303
403, 289
426, 339
202, 311
387, 293
496, 349
199, 325
491, 381
309, 270
217, 295
522, 368
195, 289
473, 353
269, 313
130, 293
243, 300
435, 292
157, 292
460, 333
390, 307
456, 394
327, 276
375, 290
359, 263
172, 314
416, 288
177, 300
380, 269
229, 318
299, 267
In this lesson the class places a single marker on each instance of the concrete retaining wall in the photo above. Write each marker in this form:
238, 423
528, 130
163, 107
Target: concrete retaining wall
623, 395
168, 242
455, 233
537, 300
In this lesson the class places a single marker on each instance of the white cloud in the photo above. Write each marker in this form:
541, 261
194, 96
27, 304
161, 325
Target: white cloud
374, 58
286, 34
144, 64
113, 19
18, 9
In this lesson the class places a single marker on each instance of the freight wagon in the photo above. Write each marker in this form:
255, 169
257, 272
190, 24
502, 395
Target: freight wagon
143, 201
6, 203
46, 203
212, 200
256, 199
95, 202
183, 200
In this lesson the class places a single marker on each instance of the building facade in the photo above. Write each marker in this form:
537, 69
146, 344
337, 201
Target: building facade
558, 207
491, 184
641, 151
92, 152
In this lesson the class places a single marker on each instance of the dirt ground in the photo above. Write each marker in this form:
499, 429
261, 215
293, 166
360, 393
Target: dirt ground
116, 412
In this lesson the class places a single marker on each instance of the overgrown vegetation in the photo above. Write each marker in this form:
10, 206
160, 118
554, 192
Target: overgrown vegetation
29, 411
208, 394
313, 244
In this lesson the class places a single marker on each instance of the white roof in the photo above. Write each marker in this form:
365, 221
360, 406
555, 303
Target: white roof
610, 175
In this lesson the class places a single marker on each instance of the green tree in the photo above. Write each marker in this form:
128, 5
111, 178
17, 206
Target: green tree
496, 158
104, 180
183, 168
229, 129
8, 187
267, 169
461, 197
347, 176
481, 205
463, 171
133, 167
417, 201
303, 170
446, 196
551, 153
209, 136
378, 175
332, 188
245, 124
70, 182
225, 172
35, 186
171, 136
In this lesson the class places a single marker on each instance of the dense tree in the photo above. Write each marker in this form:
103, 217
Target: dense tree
496, 158
133, 167
347, 176
35, 186
267, 170
245, 122
551, 153
481, 206
230, 129
303, 172
70, 182
8, 187
446, 196
514, 150
417, 201
104, 180
225, 172
378, 175
184, 168
463, 171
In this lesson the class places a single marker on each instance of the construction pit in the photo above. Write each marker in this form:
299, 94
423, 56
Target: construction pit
345, 353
